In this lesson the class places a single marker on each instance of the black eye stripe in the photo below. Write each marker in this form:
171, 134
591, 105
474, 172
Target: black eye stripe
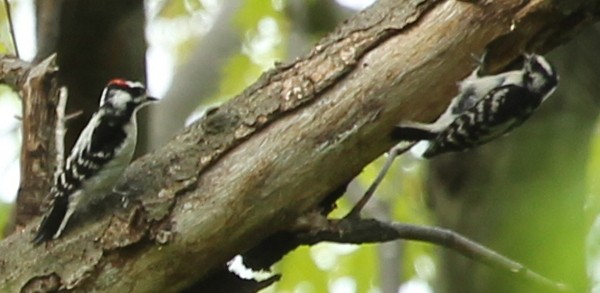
137, 91
134, 91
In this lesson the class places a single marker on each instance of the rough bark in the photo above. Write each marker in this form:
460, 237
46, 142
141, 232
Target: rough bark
253, 166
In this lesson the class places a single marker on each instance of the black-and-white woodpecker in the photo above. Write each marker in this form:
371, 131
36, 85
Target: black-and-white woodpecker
485, 108
100, 155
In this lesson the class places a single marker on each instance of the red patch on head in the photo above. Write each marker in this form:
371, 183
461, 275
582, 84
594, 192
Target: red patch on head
118, 82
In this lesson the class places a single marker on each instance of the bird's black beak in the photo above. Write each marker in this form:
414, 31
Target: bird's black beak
151, 99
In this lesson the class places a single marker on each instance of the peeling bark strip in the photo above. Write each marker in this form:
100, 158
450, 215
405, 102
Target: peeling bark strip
38, 150
302, 130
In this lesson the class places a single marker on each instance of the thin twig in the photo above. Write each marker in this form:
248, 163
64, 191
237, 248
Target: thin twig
73, 115
60, 129
360, 231
11, 27
392, 154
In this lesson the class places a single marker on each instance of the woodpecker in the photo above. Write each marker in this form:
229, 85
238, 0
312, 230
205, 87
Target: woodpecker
485, 108
102, 152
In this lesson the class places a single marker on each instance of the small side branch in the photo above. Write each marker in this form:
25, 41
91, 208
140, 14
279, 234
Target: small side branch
61, 119
359, 231
13, 71
11, 27
391, 156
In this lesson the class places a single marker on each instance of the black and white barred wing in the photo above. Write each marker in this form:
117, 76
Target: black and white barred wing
89, 162
503, 109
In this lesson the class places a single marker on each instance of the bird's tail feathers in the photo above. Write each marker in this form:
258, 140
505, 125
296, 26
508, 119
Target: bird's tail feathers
52, 221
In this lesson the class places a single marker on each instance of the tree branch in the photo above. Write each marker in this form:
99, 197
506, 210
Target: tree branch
13, 71
392, 154
359, 231
250, 168
11, 27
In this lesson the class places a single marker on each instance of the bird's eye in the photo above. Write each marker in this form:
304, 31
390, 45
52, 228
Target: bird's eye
137, 91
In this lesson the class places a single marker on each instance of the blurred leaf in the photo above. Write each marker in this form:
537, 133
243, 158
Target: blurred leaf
177, 8
238, 73
4, 214
360, 265
6, 42
185, 49
261, 47
593, 171
252, 11
263, 26
298, 268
